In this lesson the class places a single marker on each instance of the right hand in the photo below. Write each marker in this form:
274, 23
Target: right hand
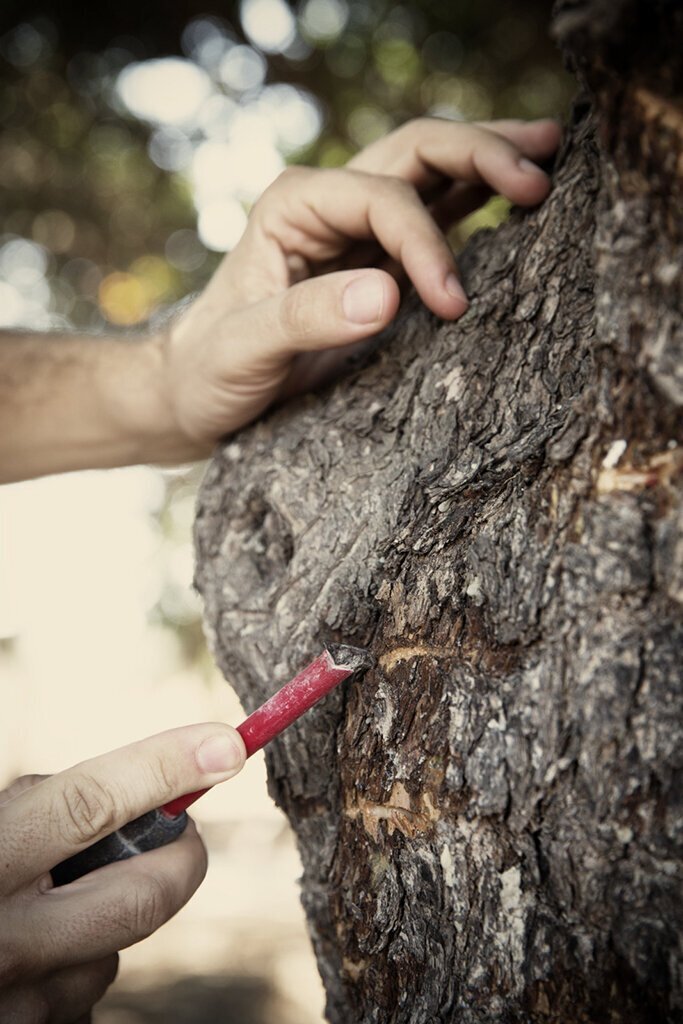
283, 308
58, 947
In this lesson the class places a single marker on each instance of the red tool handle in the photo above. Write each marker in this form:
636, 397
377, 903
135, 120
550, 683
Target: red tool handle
335, 664
160, 827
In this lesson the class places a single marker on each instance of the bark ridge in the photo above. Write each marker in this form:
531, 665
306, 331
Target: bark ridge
491, 821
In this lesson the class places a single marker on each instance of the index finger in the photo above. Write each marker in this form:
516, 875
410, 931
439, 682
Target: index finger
64, 813
495, 153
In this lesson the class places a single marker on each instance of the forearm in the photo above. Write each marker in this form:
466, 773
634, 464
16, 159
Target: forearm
78, 402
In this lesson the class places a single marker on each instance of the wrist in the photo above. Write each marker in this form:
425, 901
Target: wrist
141, 397
76, 402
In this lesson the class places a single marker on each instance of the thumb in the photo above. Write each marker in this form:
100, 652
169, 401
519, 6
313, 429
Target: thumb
77, 807
322, 312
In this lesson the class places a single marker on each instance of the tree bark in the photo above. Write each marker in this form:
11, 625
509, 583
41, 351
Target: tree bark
491, 821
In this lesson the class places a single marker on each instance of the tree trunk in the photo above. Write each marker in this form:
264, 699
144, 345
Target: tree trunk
491, 821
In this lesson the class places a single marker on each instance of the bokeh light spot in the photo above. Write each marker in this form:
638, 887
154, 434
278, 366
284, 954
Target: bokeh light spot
463, 98
269, 24
295, 115
23, 263
221, 224
26, 44
11, 304
323, 21
242, 69
334, 153
367, 124
157, 277
216, 115
184, 251
242, 167
166, 91
397, 61
170, 148
205, 40
123, 299
213, 171
55, 230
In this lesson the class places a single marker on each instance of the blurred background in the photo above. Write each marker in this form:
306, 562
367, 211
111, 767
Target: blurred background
132, 146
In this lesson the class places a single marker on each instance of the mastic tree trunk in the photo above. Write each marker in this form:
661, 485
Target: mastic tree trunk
491, 821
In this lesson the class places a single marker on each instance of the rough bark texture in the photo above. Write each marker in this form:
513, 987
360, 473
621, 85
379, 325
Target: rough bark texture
491, 822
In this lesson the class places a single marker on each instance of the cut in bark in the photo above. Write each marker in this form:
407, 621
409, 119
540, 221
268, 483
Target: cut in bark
491, 821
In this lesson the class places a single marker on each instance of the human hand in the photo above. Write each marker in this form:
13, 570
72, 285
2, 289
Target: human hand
273, 297
58, 946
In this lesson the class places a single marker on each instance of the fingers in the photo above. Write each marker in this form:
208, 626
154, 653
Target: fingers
18, 786
63, 997
114, 907
320, 313
409, 234
229, 357
495, 154
59, 816
315, 211
71, 993
243, 356
537, 140
309, 218
62, 942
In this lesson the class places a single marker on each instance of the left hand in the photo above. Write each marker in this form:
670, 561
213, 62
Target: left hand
59, 946
273, 297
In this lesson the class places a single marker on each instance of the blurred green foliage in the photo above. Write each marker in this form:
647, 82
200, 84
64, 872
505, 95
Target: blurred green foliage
122, 178
108, 202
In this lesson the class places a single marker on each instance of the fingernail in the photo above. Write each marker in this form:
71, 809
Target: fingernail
529, 167
219, 753
454, 288
363, 300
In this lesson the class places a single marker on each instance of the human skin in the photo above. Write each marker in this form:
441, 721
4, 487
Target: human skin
317, 272
276, 307
58, 946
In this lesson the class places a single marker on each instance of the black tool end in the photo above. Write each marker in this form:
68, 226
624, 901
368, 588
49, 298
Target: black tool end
147, 832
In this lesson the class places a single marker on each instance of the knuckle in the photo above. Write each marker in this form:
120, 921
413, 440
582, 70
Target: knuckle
161, 779
296, 320
291, 176
416, 125
271, 199
151, 905
293, 173
87, 810
402, 189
